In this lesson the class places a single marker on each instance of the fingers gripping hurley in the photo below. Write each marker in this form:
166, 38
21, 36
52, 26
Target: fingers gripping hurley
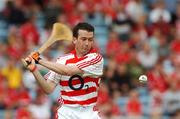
26, 62
59, 32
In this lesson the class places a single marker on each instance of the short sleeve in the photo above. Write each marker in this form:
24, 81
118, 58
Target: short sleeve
53, 77
92, 66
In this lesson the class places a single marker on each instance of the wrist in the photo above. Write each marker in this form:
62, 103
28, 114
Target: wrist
37, 60
40, 61
36, 57
34, 68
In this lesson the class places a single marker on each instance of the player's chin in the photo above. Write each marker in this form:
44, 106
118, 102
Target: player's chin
84, 52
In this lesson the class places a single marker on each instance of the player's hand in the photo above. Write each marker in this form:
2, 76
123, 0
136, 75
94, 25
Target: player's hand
35, 56
31, 64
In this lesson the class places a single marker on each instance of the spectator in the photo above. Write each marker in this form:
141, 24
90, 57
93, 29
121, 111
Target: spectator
175, 44
40, 107
52, 10
122, 24
16, 47
29, 32
3, 58
140, 27
156, 105
171, 98
113, 45
154, 39
177, 19
135, 40
2, 92
124, 55
175, 76
13, 75
24, 100
147, 53
135, 9
159, 12
157, 79
14, 13
122, 78
107, 105
134, 106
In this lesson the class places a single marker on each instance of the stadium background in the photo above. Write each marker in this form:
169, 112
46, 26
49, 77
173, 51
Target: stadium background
135, 37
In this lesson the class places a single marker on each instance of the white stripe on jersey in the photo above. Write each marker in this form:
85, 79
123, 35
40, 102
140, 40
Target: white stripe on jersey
80, 98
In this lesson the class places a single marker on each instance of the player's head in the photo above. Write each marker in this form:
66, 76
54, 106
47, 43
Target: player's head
82, 26
83, 37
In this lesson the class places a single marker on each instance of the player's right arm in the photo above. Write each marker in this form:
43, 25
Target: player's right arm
48, 86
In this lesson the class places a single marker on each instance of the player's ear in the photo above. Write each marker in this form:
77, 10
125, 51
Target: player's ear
74, 40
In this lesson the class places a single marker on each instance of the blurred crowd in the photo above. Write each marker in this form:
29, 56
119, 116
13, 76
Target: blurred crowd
135, 37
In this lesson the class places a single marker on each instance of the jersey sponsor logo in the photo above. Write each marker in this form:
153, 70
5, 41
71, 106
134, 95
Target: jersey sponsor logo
70, 82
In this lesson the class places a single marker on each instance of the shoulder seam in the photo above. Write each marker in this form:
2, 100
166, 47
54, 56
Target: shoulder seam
95, 60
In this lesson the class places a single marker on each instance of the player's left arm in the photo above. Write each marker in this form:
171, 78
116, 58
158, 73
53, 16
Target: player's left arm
61, 68
93, 65
55, 66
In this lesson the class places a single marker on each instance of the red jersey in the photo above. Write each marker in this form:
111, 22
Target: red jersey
92, 66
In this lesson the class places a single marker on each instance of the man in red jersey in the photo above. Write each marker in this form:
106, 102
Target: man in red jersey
77, 73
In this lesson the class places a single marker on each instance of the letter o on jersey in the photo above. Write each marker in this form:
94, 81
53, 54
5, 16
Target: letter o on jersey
70, 82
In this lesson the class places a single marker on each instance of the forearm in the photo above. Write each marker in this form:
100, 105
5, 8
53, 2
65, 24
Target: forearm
59, 68
47, 88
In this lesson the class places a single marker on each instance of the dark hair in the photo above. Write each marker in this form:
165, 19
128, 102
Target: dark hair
82, 26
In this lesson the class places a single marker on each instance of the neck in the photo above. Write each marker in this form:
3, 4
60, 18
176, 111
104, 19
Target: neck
78, 54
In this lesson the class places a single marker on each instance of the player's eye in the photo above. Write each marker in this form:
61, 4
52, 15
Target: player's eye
90, 39
83, 38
